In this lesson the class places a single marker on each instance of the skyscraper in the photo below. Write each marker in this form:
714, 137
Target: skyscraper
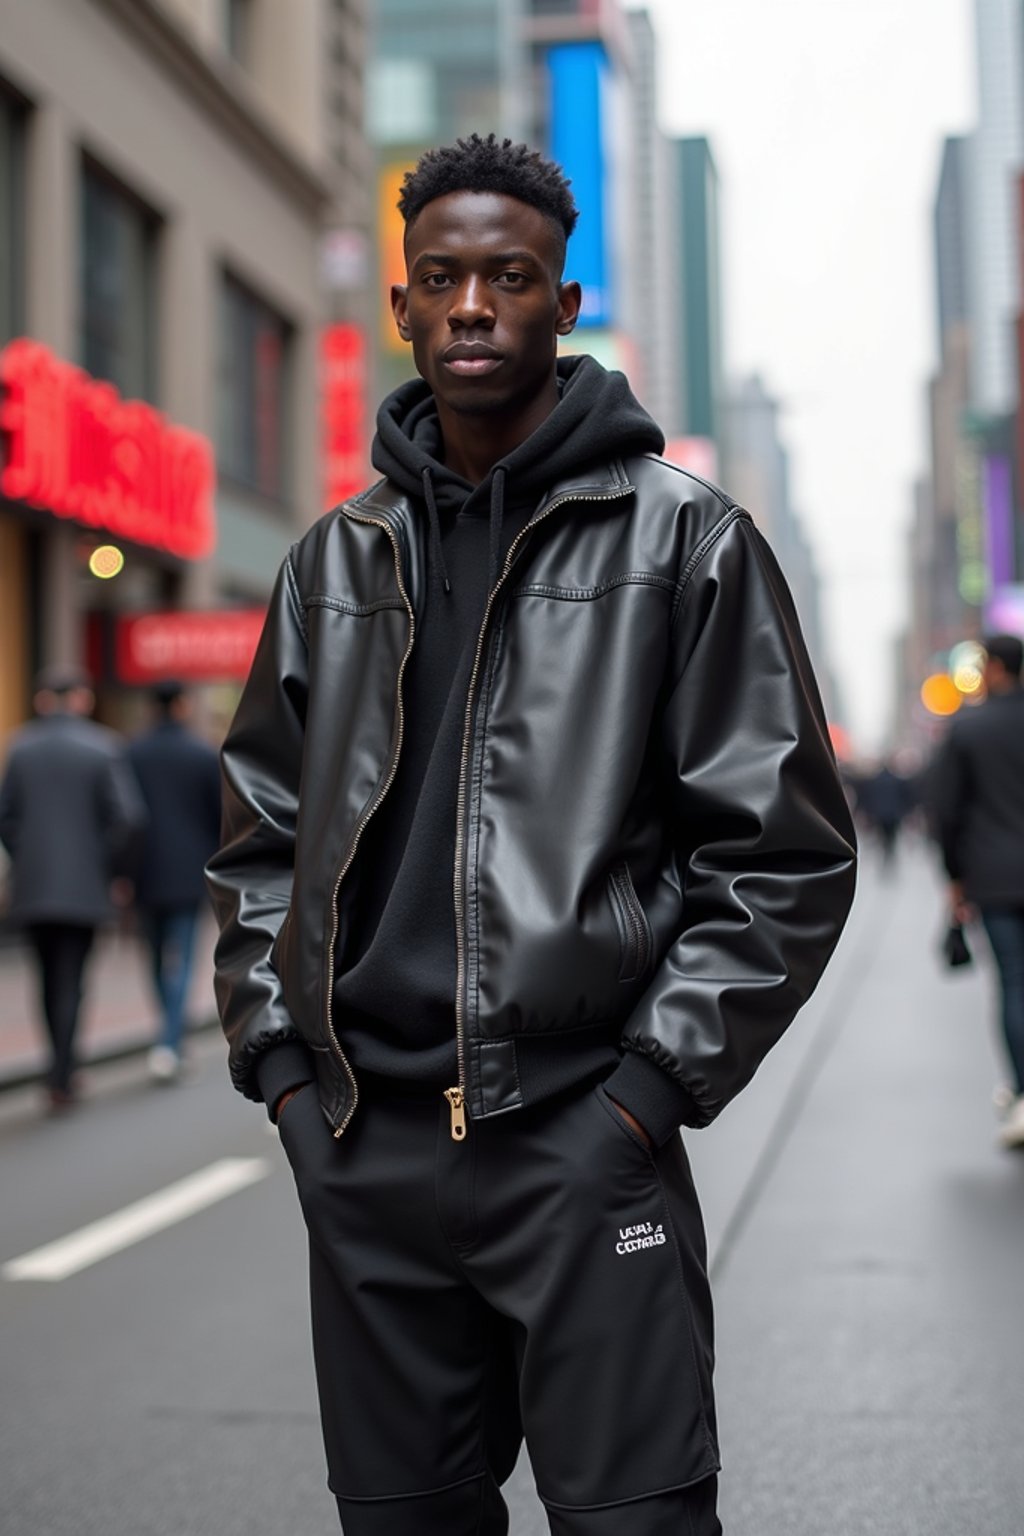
995, 154
700, 334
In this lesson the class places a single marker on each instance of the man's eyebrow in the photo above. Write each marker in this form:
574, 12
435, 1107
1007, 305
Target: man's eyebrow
435, 260
499, 259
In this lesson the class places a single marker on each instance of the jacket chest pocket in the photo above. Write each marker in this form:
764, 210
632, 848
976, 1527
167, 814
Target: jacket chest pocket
635, 942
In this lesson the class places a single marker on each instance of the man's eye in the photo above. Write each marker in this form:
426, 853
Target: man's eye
436, 280
512, 279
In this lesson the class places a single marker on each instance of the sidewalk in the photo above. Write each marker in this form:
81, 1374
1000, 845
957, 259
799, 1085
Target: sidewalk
867, 1242
119, 1016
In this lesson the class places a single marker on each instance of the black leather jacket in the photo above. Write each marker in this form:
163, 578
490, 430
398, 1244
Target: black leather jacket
652, 840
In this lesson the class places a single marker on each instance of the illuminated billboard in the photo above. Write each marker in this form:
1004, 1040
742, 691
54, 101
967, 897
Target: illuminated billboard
74, 448
578, 75
390, 248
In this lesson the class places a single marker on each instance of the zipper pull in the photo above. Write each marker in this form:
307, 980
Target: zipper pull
457, 1104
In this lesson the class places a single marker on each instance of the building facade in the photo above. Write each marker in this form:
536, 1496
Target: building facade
700, 332
756, 470
966, 541
657, 312
995, 154
167, 168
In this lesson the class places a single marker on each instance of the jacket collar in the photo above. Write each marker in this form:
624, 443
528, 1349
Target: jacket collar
387, 500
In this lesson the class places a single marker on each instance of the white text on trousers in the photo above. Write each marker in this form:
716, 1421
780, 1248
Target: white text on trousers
643, 1235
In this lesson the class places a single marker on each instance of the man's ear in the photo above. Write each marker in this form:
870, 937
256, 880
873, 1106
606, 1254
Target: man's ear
570, 297
400, 308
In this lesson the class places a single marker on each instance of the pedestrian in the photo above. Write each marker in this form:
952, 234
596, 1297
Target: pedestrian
534, 845
977, 793
69, 812
886, 798
179, 777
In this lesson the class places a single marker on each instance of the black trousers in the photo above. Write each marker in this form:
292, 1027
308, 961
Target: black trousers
61, 952
546, 1277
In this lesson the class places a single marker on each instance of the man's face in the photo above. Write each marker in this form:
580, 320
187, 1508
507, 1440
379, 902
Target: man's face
484, 303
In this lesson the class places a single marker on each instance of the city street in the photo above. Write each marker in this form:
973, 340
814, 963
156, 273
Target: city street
867, 1243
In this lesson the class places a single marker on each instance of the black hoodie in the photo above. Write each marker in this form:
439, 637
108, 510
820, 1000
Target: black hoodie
394, 995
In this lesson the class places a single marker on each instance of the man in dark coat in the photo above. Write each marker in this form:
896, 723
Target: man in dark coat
978, 813
180, 781
69, 812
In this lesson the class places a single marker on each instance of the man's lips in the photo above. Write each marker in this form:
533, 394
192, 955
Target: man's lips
471, 358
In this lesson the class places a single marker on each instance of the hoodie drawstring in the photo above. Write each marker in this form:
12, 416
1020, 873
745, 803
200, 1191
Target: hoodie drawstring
497, 514
435, 528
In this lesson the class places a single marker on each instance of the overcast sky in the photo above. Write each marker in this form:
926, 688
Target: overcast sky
827, 119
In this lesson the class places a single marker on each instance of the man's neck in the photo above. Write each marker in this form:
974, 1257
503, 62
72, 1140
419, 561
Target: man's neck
474, 444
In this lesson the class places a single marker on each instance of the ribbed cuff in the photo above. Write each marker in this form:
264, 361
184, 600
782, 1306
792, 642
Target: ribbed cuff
659, 1103
284, 1066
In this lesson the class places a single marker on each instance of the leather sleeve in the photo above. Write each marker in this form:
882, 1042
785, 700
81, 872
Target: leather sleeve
250, 877
764, 838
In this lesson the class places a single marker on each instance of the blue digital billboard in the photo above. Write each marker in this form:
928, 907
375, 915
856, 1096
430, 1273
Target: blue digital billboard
578, 79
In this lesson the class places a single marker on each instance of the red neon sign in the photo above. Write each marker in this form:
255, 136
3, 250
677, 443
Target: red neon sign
343, 379
76, 449
195, 647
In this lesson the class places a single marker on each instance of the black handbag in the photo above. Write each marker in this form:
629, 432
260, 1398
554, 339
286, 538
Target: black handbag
955, 948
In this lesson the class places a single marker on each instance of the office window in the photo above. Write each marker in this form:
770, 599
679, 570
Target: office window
117, 292
12, 218
253, 391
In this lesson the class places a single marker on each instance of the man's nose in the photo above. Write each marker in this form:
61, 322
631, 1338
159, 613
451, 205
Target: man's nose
472, 304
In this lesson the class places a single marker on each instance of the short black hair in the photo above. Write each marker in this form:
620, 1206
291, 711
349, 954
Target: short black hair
1008, 649
61, 680
166, 694
490, 165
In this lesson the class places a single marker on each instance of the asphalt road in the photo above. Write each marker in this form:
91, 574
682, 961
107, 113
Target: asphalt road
867, 1243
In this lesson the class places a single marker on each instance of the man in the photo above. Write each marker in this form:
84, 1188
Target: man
69, 811
534, 844
978, 812
180, 782
886, 798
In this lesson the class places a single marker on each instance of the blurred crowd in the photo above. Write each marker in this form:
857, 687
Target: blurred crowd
93, 825
969, 800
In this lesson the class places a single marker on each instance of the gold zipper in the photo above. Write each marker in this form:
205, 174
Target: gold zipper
457, 1104
457, 1096
367, 813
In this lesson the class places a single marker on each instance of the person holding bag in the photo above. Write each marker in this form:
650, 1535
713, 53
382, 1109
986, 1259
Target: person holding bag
977, 796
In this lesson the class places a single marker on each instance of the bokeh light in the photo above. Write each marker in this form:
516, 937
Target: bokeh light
940, 695
966, 666
106, 561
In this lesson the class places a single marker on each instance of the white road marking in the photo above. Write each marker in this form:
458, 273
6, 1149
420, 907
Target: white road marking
67, 1255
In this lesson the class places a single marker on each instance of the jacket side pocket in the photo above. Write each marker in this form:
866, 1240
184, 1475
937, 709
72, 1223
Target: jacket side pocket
635, 942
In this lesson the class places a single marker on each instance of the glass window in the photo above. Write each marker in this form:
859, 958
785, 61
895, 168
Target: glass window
253, 391
12, 218
117, 286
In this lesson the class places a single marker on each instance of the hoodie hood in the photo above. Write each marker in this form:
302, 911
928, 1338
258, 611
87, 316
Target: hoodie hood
597, 418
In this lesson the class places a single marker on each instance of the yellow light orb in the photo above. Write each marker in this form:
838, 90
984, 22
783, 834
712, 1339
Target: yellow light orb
940, 695
106, 561
967, 679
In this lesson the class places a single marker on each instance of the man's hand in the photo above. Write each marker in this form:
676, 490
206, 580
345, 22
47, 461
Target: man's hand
632, 1122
